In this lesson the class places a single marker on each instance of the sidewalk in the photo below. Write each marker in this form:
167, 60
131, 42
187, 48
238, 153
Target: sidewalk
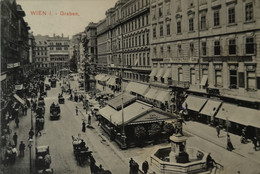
21, 165
209, 133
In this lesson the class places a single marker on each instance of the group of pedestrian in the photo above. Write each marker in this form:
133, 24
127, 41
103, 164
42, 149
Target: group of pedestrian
134, 167
243, 139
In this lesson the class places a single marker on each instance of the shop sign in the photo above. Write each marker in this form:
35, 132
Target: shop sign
3, 77
182, 60
227, 59
151, 116
19, 87
13, 65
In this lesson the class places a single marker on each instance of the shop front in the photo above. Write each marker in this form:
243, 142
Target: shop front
194, 104
142, 123
209, 111
235, 118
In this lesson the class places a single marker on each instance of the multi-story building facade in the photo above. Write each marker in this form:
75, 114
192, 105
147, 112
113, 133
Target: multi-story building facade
51, 53
123, 40
42, 61
14, 46
58, 53
91, 42
103, 46
204, 45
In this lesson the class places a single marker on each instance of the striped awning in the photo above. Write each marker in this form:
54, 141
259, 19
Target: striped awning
154, 72
163, 96
160, 73
151, 94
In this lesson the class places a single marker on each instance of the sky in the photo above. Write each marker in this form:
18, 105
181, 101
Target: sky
54, 21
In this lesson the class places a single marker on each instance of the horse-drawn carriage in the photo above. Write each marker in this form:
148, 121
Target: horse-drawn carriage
61, 99
81, 151
43, 160
54, 111
41, 101
40, 110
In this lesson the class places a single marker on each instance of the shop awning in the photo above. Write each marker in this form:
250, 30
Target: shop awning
137, 88
99, 76
151, 94
160, 73
130, 112
112, 81
204, 80
19, 99
194, 103
163, 96
226, 111
116, 102
240, 115
154, 72
211, 107
168, 73
105, 78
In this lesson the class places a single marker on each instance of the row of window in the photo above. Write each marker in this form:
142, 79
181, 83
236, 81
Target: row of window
40, 48
232, 47
134, 41
134, 7
58, 48
236, 79
249, 48
140, 59
203, 20
41, 59
135, 24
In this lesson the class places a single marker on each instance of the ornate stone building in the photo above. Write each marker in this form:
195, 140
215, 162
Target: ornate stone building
207, 46
123, 40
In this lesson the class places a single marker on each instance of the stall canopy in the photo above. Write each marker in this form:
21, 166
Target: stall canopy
168, 73
240, 115
112, 81
194, 103
163, 96
136, 113
116, 102
151, 94
211, 107
19, 99
137, 88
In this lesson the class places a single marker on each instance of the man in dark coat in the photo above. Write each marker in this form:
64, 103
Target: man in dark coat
83, 126
21, 149
145, 167
17, 121
15, 137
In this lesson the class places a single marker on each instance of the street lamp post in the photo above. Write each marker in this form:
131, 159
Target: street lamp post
30, 147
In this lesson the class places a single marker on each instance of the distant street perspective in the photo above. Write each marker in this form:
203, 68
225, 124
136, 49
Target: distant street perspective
154, 87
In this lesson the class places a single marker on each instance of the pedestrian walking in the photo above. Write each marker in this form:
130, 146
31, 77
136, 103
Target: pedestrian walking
83, 126
15, 137
131, 162
230, 146
145, 167
255, 143
77, 110
218, 130
21, 149
31, 134
89, 119
17, 121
